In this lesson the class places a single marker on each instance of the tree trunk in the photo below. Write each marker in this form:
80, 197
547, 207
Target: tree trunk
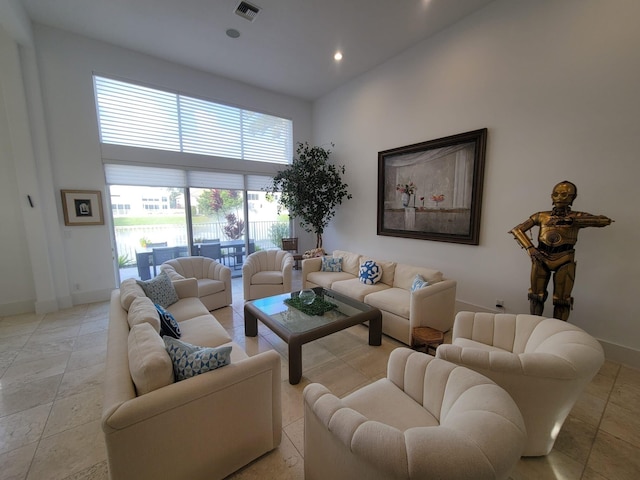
318, 240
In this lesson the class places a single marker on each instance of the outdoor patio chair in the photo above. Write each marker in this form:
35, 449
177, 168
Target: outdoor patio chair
161, 255
211, 250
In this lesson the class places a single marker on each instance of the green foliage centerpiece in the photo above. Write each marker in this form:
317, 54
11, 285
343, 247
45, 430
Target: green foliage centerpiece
311, 188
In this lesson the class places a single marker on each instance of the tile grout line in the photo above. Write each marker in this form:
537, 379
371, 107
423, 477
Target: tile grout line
606, 404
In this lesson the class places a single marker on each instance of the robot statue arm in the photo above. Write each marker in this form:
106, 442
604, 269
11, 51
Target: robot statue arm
521, 237
524, 241
583, 220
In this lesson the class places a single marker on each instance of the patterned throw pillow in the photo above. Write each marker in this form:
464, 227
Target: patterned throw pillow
191, 360
370, 272
418, 283
168, 325
160, 290
331, 264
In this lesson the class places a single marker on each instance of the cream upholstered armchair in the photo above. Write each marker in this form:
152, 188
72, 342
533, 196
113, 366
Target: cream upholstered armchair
543, 363
266, 273
214, 279
428, 419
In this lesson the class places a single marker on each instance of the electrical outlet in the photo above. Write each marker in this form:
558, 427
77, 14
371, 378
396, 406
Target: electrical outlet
499, 303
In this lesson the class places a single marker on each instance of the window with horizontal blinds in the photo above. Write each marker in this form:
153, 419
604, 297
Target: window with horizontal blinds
138, 116
117, 174
258, 182
120, 174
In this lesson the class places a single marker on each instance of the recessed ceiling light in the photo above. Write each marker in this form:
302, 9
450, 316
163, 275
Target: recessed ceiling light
338, 56
233, 33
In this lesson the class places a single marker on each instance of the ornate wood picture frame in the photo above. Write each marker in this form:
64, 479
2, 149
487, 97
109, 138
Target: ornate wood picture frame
433, 190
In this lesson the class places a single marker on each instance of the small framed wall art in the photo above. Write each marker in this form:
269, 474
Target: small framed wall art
82, 207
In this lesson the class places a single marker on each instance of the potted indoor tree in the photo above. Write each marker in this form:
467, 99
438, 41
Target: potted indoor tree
311, 188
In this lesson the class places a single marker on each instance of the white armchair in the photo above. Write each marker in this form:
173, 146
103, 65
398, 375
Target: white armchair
543, 363
266, 273
214, 279
428, 419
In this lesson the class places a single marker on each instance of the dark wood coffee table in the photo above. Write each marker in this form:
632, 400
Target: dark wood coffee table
297, 328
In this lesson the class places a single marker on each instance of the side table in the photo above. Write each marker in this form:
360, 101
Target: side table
426, 337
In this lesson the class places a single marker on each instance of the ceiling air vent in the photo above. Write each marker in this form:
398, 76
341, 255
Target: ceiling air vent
248, 11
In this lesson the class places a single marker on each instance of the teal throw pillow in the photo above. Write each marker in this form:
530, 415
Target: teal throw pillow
331, 264
418, 283
191, 360
160, 290
370, 272
168, 324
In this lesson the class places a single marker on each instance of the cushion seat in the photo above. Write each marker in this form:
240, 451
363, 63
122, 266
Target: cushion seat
393, 300
206, 286
357, 290
326, 279
267, 278
203, 330
384, 402
187, 308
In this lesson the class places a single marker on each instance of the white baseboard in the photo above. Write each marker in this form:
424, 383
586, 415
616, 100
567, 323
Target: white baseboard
49, 306
470, 307
620, 354
16, 308
81, 298
613, 352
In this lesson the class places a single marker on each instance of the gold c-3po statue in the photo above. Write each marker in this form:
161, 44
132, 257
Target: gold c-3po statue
558, 233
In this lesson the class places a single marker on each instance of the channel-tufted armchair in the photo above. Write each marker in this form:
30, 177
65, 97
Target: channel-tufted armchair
427, 419
543, 363
266, 273
214, 278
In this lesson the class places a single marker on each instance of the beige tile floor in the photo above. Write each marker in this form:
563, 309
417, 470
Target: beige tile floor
52, 369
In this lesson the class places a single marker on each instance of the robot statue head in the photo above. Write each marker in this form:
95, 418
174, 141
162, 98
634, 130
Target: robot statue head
564, 193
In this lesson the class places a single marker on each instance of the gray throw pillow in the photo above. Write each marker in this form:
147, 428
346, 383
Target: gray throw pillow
160, 290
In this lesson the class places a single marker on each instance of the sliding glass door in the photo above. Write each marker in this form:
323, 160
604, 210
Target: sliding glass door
155, 224
150, 227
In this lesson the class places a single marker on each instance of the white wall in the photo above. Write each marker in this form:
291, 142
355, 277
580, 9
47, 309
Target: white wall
556, 85
67, 150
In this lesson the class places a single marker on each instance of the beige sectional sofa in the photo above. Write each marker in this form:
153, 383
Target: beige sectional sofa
402, 310
203, 427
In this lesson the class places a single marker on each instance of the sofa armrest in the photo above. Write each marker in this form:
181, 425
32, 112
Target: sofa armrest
508, 363
218, 271
310, 265
186, 287
234, 412
180, 395
287, 272
171, 272
433, 306
380, 445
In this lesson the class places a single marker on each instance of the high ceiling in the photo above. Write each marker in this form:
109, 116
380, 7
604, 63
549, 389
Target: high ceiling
288, 47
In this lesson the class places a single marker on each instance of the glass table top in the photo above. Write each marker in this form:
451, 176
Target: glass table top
297, 321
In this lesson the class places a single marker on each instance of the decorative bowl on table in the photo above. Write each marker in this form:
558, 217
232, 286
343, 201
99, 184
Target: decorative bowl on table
307, 296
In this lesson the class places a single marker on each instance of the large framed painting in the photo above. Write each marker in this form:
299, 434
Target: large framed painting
82, 207
433, 190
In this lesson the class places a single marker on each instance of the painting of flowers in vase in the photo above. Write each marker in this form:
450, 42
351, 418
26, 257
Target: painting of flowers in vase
433, 190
